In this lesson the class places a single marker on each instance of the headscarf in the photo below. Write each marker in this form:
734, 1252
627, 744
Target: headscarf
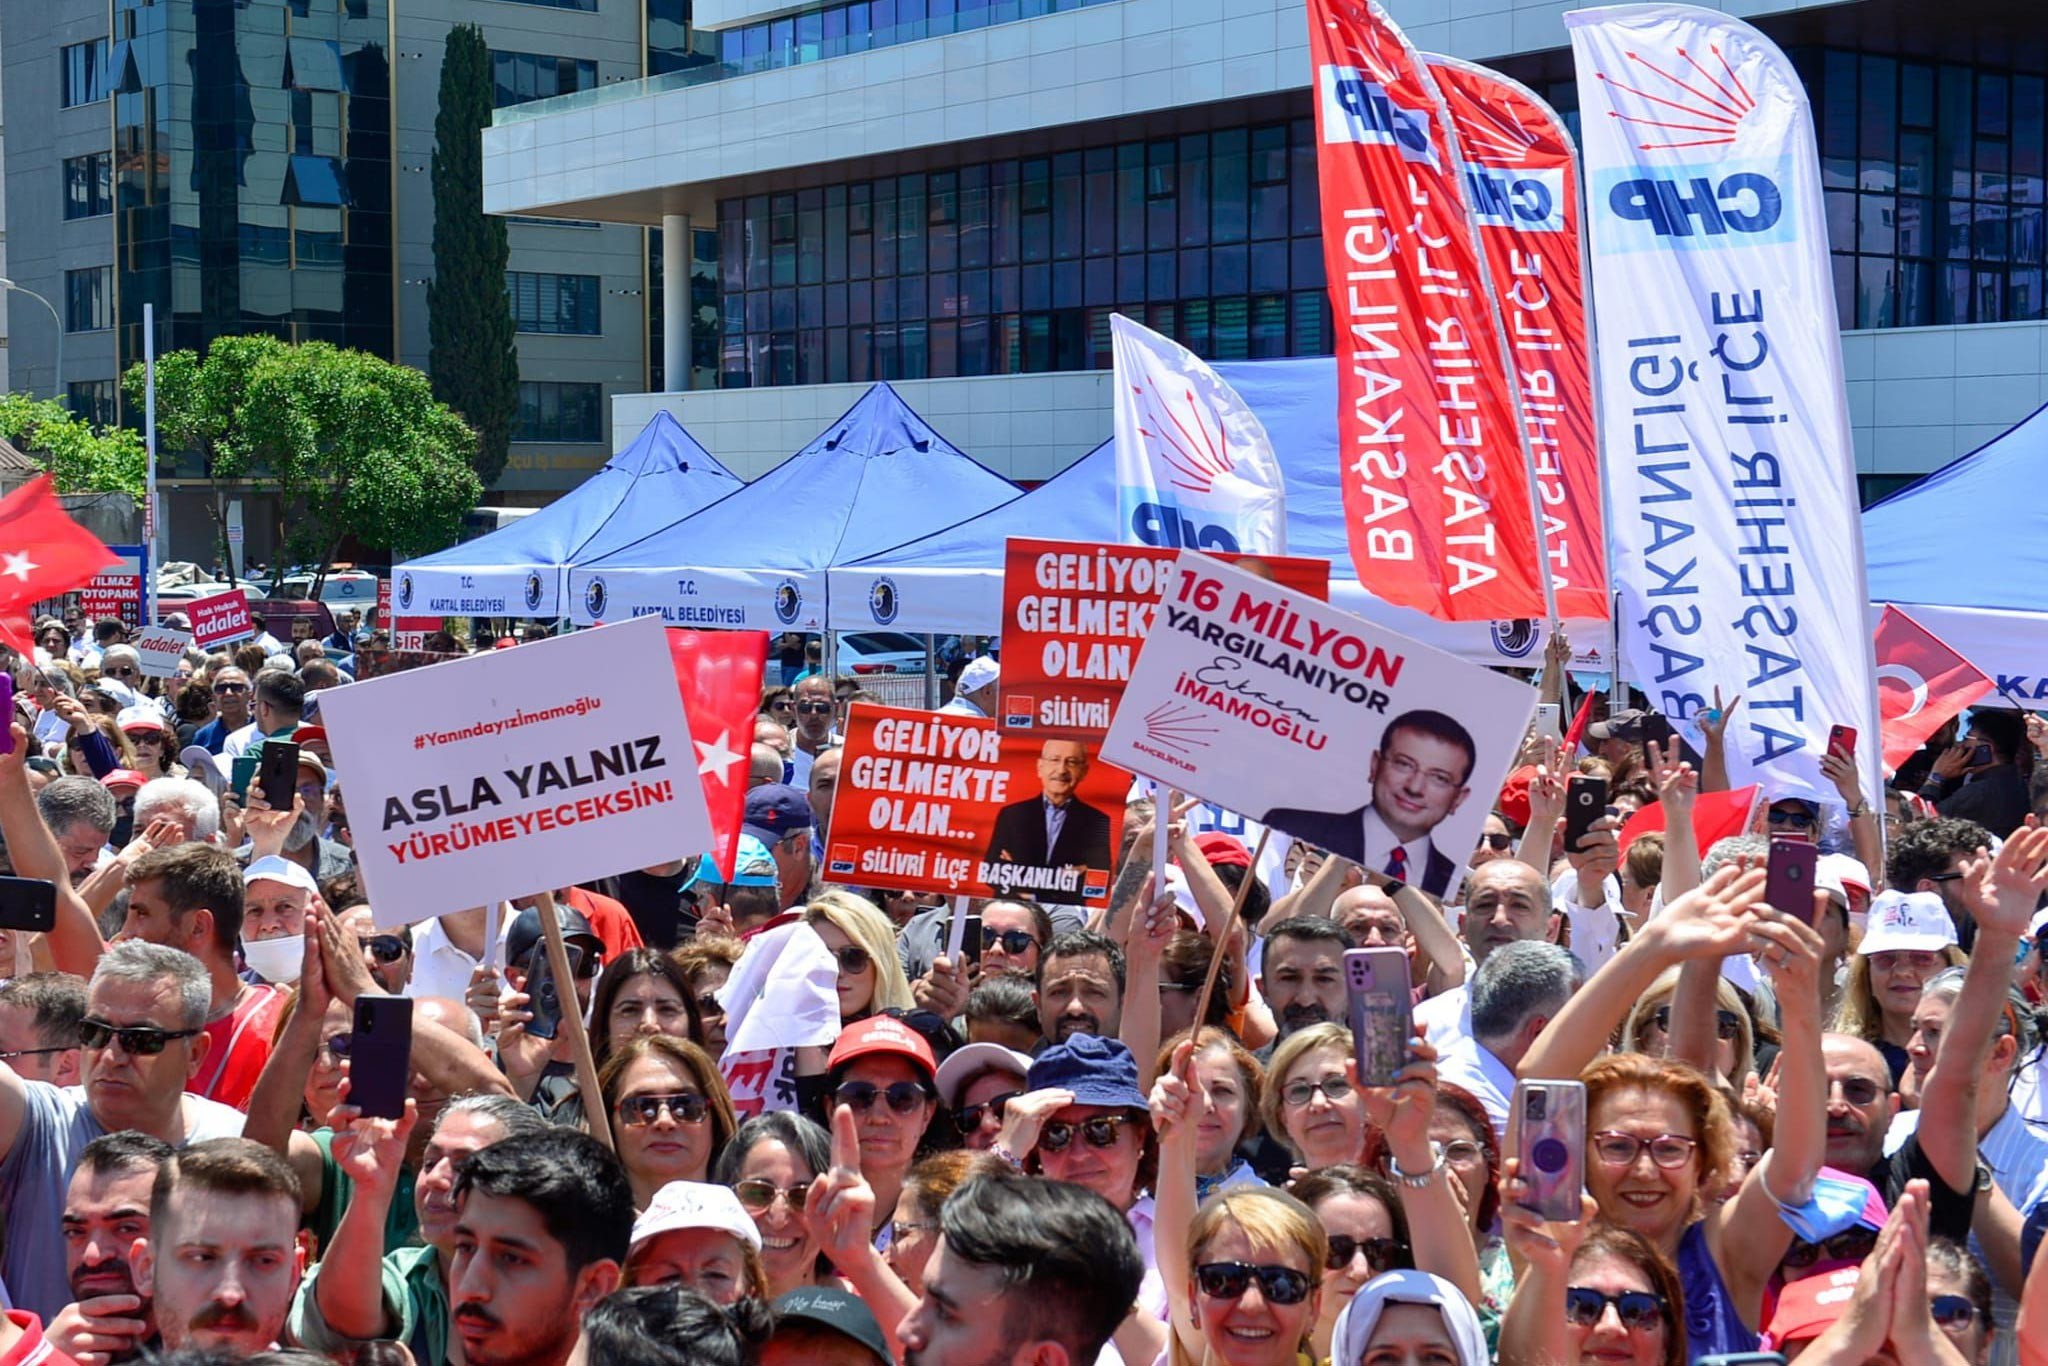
1355, 1325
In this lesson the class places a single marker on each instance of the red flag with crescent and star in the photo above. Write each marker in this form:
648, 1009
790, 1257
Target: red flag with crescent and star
42, 553
719, 674
1921, 683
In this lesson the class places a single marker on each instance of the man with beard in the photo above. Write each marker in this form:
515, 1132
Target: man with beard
1302, 972
280, 705
359, 1292
222, 1258
1506, 902
542, 1226
1081, 986
106, 1210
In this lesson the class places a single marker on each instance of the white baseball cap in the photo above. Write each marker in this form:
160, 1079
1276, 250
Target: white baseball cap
1838, 872
967, 1063
695, 1204
275, 868
979, 673
1906, 921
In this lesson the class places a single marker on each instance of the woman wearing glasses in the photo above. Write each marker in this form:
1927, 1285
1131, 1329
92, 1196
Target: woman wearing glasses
1908, 937
1368, 1235
1590, 1293
1649, 1028
1461, 1135
870, 974
914, 1225
882, 1070
153, 740
669, 1111
1312, 1109
770, 1165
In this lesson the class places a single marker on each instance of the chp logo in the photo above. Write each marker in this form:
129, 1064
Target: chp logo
883, 600
594, 597
1516, 638
1357, 108
533, 587
405, 590
789, 602
841, 859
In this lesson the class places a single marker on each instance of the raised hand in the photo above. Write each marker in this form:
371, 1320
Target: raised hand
943, 990
1173, 1100
1678, 787
268, 826
1544, 1244
161, 833
2002, 893
715, 921
1713, 722
1026, 1115
840, 1205
1712, 920
1150, 934
1403, 1110
371, 1152
1840, 769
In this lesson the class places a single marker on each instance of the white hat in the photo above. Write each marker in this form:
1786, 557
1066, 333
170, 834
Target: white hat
145, 716
274, 868
979, 673
2037, 924
1907, 920
967, 1063
1839, 872
695, 1204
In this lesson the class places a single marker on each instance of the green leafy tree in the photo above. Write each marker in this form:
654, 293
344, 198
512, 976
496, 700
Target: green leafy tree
353, 445
79, 458
471, 352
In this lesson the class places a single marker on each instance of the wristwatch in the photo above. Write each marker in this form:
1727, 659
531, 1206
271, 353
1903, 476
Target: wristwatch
1420, 1179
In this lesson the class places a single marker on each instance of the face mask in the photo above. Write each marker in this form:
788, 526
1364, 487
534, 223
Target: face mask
276, 960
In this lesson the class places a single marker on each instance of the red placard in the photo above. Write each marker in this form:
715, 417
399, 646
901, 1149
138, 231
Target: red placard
932, 802
1074, 615
221, 619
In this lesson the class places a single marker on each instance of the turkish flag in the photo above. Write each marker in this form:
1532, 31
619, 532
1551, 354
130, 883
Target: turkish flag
42, 553
719, 675
1715, 816
1921, 683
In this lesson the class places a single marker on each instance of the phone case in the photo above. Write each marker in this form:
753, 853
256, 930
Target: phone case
6, 713
1585, 801
380, 1055
277, 773
542, 997
1788, 880
1842, 740
1377, 986
1552, 1145
970, 940
28, 903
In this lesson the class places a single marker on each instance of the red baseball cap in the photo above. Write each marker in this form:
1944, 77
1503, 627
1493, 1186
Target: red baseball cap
123, 777
883, 1035
1221, 849
1514, 795
504, 643
1807, 1307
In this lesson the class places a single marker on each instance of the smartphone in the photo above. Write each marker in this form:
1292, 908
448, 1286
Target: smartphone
243, 772
1552, 1145
380, 1055
28, 903
543, 997
1550, 719
277, 773
1842, 741
6, 713
1585, 801
970, 940
1377, 985
1788, 881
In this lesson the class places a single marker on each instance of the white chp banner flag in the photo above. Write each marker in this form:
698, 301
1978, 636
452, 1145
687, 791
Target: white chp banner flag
1194, 467
1736, 541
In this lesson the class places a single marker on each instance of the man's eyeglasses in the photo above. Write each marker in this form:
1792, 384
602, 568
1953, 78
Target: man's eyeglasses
1850, 1245
140, 1041
1858, 1091
1296, 1094
902, 1096
1013, 942
385, 948
1952, 1311
11, 1054
1229, 1281
686, 1107
814, 709
1792, 818
1495, 841
757, 1196
220, 689
967, 1118
1727, 1025
1669, 1151
1638, 1310
1097, 1131
1379, 1252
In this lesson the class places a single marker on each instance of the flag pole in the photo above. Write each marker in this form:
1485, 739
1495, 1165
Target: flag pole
149, 509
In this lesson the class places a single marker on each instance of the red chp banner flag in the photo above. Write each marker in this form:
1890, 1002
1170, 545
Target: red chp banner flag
719, 675
42, 553
1522, 183
1921, 683
1436, 486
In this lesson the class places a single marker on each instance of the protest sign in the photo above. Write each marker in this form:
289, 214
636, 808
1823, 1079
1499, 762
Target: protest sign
501, 774
160, 649
221, 619
934, 802
1074, 615
116, 591
1318, 723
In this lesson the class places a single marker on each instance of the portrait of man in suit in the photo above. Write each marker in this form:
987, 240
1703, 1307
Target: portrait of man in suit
1419, 778
1054, 829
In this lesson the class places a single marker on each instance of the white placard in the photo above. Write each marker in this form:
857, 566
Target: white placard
511, 772
1318, 723
160, 649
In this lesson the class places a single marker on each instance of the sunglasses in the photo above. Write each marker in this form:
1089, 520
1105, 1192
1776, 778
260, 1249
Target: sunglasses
1792, 820
1013, 942
1379, 1252
708, 1004
1229, 1281
1638, 1310
1296, 1094
757, 1196
1727, 1025
902, 1229
337, 1047
813, 708
1669, 1151
1850, 1245
140, 1041
1097, 1131
902, 1096
1952, 1311
967, 1118
1857, 1091
11, 1054
687, 1107
853, 960
385, 948
1498, 842
219, 688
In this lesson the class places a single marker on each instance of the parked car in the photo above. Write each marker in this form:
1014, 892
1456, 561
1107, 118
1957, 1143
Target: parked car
341, 588
880, 652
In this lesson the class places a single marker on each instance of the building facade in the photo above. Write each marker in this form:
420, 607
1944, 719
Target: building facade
267, 168
957, 194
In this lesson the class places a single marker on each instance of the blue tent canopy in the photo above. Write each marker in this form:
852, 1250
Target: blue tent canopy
758, 557
519, 570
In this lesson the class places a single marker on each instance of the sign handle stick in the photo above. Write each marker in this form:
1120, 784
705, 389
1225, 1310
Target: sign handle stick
572, 1020
1230, 928
956, 933
1162, 816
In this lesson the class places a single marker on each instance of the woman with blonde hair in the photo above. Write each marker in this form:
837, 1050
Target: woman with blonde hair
1310, 1105
1648, 1029
1907, 938
870, 974
670, 1113
1249, 1289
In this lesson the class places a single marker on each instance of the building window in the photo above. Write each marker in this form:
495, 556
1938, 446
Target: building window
587, 6
552, 410
566, 305
89, 299
1015, 266
93, 400
517, 77
84, 72
89, 185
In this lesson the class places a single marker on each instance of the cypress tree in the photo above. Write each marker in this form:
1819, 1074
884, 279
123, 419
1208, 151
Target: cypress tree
471, 354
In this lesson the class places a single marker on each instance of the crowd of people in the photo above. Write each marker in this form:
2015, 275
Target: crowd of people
1816, 1130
